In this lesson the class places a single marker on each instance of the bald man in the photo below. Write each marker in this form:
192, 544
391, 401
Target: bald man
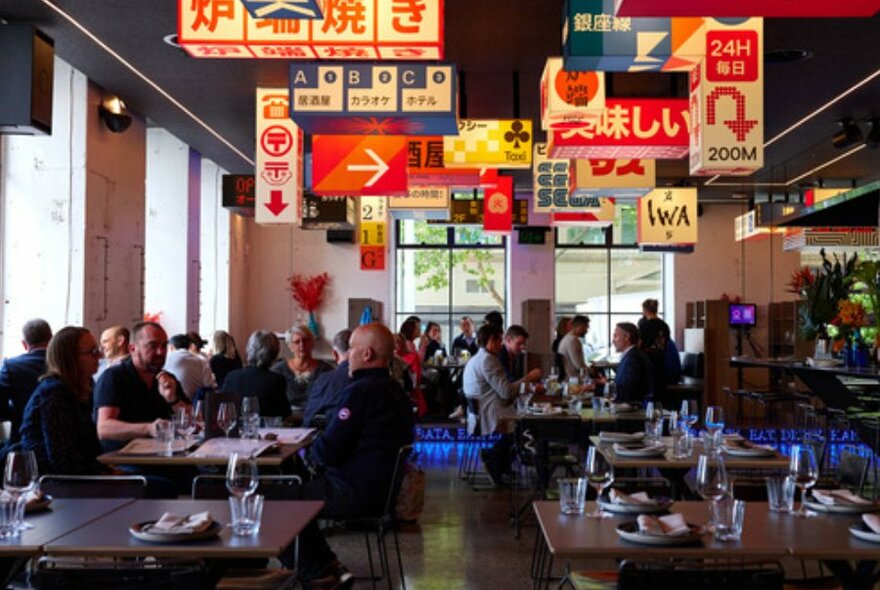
114, 345
357, 452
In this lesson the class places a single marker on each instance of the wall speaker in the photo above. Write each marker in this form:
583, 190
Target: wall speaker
27, 69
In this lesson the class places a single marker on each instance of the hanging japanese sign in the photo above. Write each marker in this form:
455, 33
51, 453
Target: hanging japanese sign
498, 207
422, 202
359, 165
425, 166
646, 128
593, 38
550, 180
365, 99
492, 143
726, 8
282, 9
727, 102
746, 227
373, 233
403, 30
817, 195
668, 216
328, 212
279, 160
612, 178
570, 97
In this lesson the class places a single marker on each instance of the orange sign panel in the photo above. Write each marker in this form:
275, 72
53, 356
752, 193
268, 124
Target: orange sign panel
359, 165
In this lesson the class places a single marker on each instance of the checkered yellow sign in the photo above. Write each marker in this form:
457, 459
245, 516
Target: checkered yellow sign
490, 143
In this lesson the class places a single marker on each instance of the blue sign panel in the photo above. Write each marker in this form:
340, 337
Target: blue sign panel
374, 98
307, 9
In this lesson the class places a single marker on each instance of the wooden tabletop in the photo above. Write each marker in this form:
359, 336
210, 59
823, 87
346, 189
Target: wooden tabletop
270, 458
667, 461
109, 536
62, 517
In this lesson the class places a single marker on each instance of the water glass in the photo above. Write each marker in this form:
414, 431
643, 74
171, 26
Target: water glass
598, 406
728, 515
272, 421
245, 514
575, 406
680, 439
780, 494
165, 437
250, 423
522, 405
714, 422
11, 514
572, 495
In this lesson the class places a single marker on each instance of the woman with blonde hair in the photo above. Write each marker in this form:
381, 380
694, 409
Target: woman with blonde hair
225, 357
301, 369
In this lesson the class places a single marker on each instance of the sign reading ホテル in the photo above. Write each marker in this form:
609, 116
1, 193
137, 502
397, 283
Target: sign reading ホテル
279, 160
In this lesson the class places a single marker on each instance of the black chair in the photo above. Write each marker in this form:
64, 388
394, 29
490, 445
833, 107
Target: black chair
53, 573
273, 487
724, 575
213, 399
94, 486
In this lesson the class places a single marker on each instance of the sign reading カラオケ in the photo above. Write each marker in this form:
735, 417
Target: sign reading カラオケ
279, 160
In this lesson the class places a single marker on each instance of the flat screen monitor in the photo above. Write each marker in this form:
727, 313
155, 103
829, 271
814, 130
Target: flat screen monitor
742, 314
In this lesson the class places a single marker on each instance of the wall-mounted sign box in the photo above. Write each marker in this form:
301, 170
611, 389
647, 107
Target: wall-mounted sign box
239, 194
328, 212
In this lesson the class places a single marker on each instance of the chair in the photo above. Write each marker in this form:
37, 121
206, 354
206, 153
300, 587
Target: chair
94, 486
274, 487
469, 459
213, 399
724, 575
52, 573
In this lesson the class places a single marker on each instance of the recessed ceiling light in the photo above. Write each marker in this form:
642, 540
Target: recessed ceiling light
786, 56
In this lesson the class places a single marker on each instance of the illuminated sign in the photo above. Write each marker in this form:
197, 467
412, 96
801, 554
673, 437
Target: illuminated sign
668, 216
328, 212
612, 178
422, 202
425, 165
285, 8
647, 128
570, 97
279, 160
498, 207
359, 165
726, 8
373, 233
403, 30
361, 99
550, 181
238, 194
493, 143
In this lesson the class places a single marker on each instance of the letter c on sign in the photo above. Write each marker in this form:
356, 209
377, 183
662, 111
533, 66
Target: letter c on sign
408, 77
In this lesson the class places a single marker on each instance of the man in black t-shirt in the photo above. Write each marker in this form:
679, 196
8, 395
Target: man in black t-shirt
132, 397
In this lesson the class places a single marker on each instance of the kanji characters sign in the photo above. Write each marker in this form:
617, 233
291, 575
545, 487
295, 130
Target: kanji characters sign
373, 233
359, 165
425, 166
726, 8
492, 143
362, 99
498, 207
668, 216
727, 102
285, 8
612, 178
279, 160
403, 30
570, 97
646, 128
422, 202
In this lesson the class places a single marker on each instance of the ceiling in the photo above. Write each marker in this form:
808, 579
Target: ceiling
495, 43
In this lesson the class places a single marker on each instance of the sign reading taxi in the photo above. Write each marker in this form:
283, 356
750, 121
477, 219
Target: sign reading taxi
362, 99
668, 216
359, 165
279, 160
570, 97
490, 143
403, 30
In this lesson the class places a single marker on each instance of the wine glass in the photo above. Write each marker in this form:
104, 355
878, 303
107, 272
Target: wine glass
803, 469
689, 412
198, 416
183, 421
241, 475
20, 477
226, 417
714, 425
712, 482
600, 475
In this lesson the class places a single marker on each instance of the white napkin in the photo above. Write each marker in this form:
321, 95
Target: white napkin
841, 496
654, 447
873, 522
609, 436
673, 525
622, 408
175, 524
618, 497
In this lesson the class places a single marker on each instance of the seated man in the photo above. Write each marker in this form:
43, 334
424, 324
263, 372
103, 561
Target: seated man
325, 394
488, 388
356, 454
191, 369
635, 375
134, 395
511, 355
467, 340
19, 375
114, 345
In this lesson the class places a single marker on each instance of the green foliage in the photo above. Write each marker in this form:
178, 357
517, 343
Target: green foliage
867, 286
833, 282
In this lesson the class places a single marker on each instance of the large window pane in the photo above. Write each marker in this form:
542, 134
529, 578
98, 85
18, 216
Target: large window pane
422, 280
635, 276
418, 232
581, 281
578, 236
473, 235
478, 279
625, 228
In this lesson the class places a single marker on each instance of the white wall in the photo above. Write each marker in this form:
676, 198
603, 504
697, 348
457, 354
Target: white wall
214, 251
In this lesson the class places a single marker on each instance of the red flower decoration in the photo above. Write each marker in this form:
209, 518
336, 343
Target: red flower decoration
153, 317
308, 292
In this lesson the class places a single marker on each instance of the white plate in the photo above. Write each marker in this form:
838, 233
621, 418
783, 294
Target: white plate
860, 530
621, 436
843, 508
629, 531
749, 452
652, 451
38, 505
156, 537
658, 505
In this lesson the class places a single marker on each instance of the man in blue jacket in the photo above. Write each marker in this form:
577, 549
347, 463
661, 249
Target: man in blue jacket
18, 376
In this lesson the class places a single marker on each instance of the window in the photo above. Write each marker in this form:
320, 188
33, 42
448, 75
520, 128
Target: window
601, 273
445, 272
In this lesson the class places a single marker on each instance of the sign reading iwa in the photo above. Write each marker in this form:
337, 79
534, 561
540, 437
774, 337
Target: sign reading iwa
668, 216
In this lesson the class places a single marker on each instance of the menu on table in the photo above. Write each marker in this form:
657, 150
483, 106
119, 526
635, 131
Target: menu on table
287, 436
151, 446
224, 447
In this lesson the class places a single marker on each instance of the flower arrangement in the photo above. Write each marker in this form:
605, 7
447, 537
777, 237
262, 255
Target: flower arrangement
850, 316
153, 317
308, 292
821, 290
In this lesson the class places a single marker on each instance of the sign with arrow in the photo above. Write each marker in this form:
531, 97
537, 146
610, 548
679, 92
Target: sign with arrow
278, 178
359, 165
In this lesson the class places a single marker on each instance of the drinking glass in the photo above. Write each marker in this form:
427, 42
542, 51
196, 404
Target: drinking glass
729, 515
600, 475
689, 412
183, 421
572, 494
241, 475
226, 417
803, 469
714, 425
245, 514
250, 416
20, 477
198, 417
610, 393
712, 482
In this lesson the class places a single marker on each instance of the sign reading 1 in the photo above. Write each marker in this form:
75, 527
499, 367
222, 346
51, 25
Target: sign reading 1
373, 234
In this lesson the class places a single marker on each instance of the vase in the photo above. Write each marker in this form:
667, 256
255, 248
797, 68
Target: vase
313, 324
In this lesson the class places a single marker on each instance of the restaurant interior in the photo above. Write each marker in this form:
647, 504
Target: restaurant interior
717, 159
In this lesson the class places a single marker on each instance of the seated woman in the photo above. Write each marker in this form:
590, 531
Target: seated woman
225, 358
57, 423
256, 379
435, 342
300, 370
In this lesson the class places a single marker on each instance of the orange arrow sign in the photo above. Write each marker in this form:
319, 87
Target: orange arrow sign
359, 165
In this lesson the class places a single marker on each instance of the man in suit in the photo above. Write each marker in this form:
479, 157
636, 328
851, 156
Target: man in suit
634, 376
511, 354
18, 376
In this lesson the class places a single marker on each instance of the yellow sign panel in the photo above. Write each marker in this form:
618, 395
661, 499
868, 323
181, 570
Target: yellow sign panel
490, 143
668, 216
372, 234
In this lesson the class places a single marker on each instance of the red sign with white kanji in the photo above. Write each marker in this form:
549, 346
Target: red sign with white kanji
498, 207
359, 165
732, 56
372, 257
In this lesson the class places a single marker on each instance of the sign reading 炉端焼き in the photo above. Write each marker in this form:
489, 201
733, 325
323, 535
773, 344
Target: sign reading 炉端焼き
668, 216
285, 9
362, 99
489, 143
279, 160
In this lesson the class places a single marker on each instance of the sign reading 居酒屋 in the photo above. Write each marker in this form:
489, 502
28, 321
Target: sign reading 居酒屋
425, 165
362, 99
279, 160
570, 97
644, 128
403, 30
668, 216
490, 143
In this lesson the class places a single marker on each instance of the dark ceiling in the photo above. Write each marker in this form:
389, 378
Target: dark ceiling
490, 41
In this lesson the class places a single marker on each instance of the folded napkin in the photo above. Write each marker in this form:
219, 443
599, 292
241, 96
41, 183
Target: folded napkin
837, 497
175, 524
621, 436
639, 498
624, 447
873, 522
673, 525
623, 407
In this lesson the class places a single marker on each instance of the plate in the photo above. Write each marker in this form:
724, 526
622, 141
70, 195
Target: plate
860, 530
659, 505
156, 537
39, 505
848, 508
748, 452
621, 436
629, 531
652, 451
